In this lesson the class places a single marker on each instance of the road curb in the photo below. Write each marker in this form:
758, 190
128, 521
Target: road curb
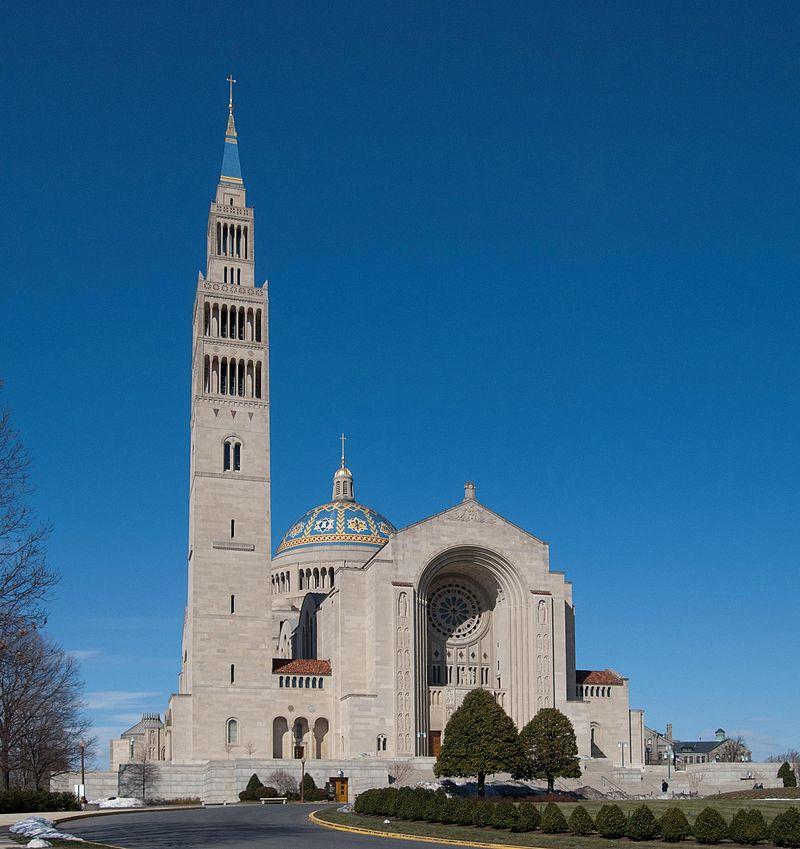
417, 837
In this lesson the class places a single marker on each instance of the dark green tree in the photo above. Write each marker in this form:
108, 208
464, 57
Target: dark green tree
710, 827
787, 774
548, 742
480, 739
254, 783
748, 827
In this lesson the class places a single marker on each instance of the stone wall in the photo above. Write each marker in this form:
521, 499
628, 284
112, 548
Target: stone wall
220, 781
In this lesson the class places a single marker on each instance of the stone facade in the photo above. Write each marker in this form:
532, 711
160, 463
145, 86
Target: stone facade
356, 641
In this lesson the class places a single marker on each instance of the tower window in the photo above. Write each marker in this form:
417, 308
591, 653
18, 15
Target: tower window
233, 674
237, 457
233, 528
226, 457
233, 604
232, 732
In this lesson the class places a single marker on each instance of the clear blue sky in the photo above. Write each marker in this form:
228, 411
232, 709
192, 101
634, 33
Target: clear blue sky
560, 241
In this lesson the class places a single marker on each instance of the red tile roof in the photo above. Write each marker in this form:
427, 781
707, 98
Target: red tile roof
301, 666
597, 676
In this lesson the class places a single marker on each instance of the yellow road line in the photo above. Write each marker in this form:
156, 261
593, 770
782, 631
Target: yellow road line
418, 837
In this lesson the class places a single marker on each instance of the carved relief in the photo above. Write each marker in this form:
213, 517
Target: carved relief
544, 690
471, 512
402, 642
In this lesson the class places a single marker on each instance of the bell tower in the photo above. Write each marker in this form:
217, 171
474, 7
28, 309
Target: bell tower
225, 669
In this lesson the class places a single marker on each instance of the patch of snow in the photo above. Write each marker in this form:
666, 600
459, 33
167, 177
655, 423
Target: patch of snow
117, 802
387, 822
41, 827
38, 843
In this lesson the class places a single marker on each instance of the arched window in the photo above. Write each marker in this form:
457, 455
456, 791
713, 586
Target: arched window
258, 380
280, 681
206, 319
226, 457
232, 732
237, 457
224, 321
258, 325
206, 374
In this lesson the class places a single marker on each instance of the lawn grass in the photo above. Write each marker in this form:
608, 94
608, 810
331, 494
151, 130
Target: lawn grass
690, 807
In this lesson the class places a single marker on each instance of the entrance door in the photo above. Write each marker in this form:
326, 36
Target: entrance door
435, 743
339, 789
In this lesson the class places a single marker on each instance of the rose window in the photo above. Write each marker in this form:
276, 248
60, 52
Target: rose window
454, 612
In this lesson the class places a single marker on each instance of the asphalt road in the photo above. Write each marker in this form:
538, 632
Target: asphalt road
231, 827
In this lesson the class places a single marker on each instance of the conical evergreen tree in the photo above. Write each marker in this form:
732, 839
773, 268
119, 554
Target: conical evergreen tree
548, 741
479, 739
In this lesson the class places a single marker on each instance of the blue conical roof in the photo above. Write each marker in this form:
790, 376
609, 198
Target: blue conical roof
231, 169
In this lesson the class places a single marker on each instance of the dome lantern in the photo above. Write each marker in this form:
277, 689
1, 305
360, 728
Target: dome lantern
343, 489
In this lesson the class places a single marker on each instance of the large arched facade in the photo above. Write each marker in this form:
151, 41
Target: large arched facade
471, 623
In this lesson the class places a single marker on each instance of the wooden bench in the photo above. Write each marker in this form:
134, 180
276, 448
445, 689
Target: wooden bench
273, 800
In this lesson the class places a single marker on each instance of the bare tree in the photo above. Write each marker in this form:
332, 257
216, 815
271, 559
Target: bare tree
41, 722
732, 750
138, 775
400, 771
695, 779
251, 748
25, 578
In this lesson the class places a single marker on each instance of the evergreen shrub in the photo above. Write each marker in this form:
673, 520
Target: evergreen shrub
580, 821
748, 827
29, 801
610, 822
504, 815
553, 820
482, 814
674, 825
785, 828
642, 825
528, 817
710, 826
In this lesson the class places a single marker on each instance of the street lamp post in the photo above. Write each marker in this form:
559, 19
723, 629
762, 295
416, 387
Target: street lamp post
621, 746
669, 760
82, 747
303, 776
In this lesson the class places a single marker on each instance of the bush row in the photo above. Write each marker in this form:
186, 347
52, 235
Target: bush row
710, 827
28, 801
255, 790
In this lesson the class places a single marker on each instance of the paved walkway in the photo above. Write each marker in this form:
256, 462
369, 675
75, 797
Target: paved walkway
231, 827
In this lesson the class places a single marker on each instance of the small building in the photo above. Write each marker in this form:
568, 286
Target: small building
710, 751
144, 741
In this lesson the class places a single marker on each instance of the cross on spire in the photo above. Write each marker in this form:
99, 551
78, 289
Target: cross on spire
343, 439
231, 81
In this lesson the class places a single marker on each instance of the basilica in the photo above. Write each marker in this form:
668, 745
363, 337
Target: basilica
355, 640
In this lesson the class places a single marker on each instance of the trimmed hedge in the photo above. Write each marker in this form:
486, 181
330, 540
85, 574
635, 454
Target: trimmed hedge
785, 828
710, 826
580, 821
642, 825
416, 803
528, 817
674, 825
748, 827
30, 801
505, 815
553, 821
610, 822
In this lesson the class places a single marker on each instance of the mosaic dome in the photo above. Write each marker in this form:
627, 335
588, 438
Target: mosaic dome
338, 522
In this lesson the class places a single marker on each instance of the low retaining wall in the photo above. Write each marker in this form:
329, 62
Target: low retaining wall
215, 782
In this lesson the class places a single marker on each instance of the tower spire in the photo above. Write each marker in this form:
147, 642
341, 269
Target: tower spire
343, 489
231, 170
